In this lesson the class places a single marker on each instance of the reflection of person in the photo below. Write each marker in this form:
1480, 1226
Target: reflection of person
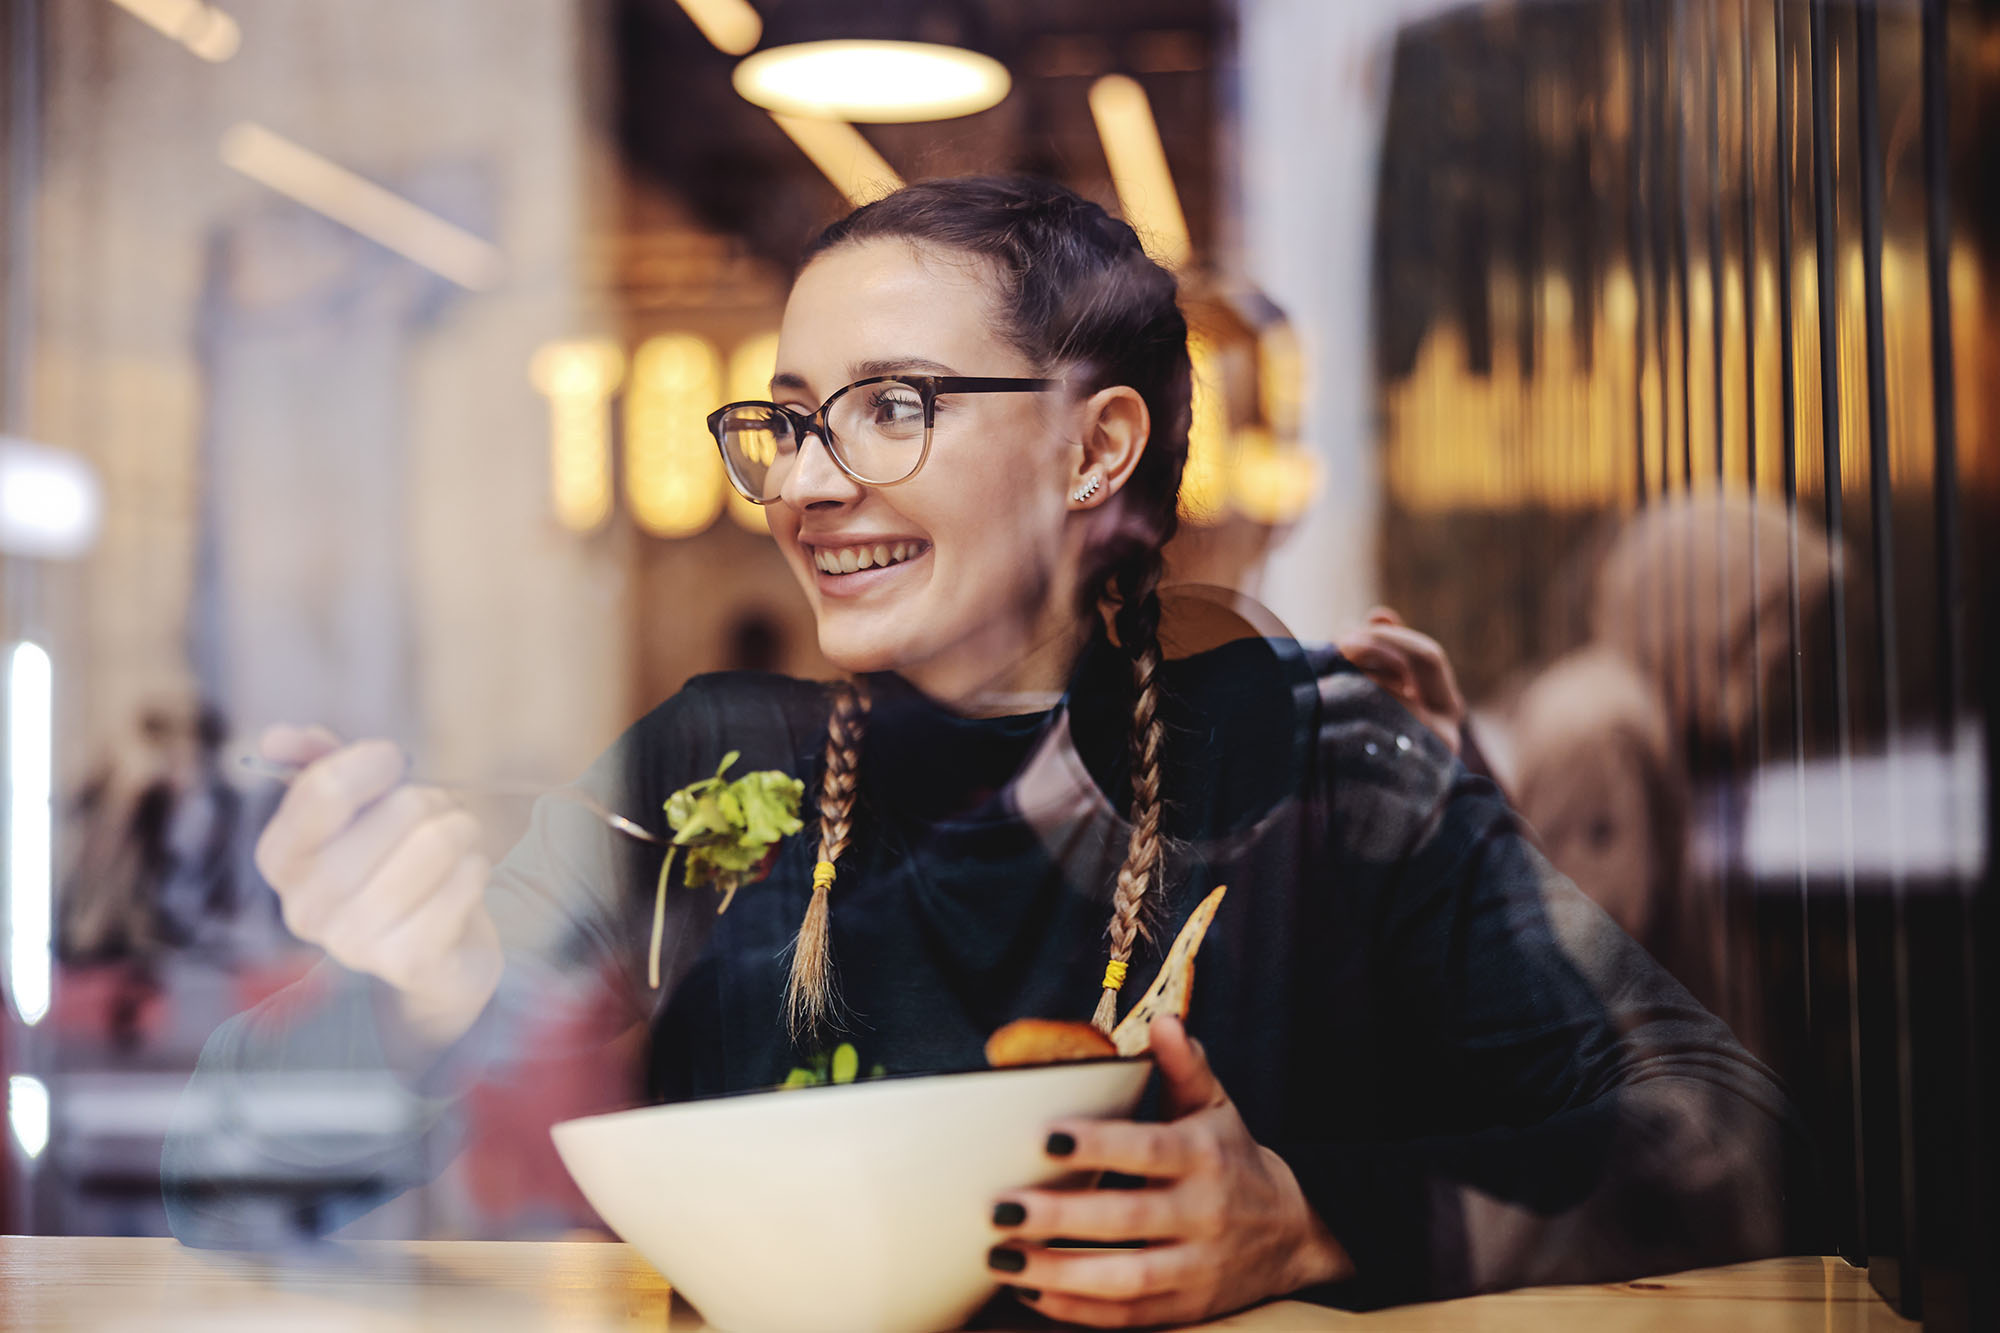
155, 866
1426, 1065
1690, 620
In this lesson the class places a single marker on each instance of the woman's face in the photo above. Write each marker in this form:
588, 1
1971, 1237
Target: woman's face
987, 571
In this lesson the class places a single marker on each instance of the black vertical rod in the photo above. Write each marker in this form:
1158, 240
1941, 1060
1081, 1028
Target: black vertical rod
1711, 58
1684, 207
1662, 70
1944, 375
1748, 184
1827, 262
1936, 94
1786, 132
1636, 240
23, 131
1868, 119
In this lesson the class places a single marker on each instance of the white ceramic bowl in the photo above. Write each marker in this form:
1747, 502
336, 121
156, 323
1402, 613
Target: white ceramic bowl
865, 1206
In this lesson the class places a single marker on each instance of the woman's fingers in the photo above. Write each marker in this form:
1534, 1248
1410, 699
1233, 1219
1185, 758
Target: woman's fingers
1104, 1215
1147, 1312
1158, 1152
1106, 1275
434, 927
288, 744
412, 873
1436, 683
322, 801
1190, 1085
347, 860
1379, 662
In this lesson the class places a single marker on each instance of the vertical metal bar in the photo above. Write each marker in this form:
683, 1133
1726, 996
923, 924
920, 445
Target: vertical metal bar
1786, 134
1635, 46
1882, 506
23, 133
1748, 184
1656, 200
1826, 261
1711, 49
1944, 376
1963, 1125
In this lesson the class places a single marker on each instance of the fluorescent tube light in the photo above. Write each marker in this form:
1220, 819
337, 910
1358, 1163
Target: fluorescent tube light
360, 204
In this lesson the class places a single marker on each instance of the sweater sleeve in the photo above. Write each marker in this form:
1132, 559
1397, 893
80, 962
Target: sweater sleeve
1565, 1110
314, 1107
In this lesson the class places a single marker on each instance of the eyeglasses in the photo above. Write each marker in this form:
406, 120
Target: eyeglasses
877, 430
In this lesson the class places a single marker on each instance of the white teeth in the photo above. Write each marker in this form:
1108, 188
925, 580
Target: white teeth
853, 559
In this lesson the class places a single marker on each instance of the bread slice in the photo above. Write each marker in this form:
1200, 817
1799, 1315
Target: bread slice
1042, 1041
1172, 990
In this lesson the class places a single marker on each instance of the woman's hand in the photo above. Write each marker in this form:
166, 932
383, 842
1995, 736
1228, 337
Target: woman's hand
387, 878
1223, 1218
1411, 666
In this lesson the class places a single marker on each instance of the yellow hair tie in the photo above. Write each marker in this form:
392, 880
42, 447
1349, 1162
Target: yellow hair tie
1114, 975
822, 876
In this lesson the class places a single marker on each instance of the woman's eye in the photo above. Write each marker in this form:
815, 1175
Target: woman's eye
898, 408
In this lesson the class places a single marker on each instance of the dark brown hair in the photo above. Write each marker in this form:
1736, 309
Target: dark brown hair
1080, 298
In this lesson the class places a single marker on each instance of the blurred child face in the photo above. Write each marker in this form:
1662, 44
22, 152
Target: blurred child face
971, 564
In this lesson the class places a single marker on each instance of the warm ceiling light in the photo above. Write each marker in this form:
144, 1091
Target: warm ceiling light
1139, 169
843, 156
358, 203
872, 82
729, 25
200, 27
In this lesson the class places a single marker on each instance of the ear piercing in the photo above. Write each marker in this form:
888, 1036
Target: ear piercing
1088, 489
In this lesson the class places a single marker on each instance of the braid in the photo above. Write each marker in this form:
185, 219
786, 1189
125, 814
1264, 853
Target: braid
1138, 622
810, 997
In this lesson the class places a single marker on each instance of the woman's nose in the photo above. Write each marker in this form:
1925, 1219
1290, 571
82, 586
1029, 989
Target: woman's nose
814, 478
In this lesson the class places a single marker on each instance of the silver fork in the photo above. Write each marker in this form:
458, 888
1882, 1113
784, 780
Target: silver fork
277, 772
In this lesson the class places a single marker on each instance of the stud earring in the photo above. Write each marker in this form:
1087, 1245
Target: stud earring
1088, 489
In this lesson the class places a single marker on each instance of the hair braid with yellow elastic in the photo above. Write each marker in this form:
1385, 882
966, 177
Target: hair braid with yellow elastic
1131, 902
810, 995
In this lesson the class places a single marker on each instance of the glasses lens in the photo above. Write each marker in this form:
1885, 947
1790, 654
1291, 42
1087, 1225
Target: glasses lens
758, 445
879, 430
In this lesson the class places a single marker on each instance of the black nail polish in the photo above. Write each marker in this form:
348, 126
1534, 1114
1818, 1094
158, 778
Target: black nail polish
1003, 1260
1027, 1293
1009, 1214
1061, 1144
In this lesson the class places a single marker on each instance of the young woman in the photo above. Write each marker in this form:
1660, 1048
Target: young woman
1418, 1063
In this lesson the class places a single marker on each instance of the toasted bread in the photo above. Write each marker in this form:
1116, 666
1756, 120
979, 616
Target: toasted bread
1172, 990
1041, 1041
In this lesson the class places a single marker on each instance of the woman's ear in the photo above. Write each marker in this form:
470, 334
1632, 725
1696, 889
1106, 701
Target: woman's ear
1116, 426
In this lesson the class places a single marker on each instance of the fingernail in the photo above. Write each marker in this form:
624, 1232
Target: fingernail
1003, 1260
1061, 1144
1027, 1293
1009, 1215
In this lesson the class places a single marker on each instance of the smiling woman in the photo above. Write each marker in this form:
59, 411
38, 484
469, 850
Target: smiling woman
1419, 1063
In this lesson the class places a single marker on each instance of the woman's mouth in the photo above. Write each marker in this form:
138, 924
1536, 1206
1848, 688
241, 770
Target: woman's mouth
843, 561
855, 569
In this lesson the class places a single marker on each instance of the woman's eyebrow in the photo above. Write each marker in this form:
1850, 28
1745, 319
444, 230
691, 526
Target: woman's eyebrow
785, 381
866, 369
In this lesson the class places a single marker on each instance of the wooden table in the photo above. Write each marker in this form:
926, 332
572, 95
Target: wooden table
157, 1286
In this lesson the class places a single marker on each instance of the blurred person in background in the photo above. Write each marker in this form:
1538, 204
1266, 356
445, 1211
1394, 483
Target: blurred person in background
1419, 1064
158, 830
1608, 746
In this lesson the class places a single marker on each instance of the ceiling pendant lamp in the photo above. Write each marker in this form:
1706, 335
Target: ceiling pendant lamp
890, 61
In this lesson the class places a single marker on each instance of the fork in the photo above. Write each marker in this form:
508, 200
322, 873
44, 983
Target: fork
277, 772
